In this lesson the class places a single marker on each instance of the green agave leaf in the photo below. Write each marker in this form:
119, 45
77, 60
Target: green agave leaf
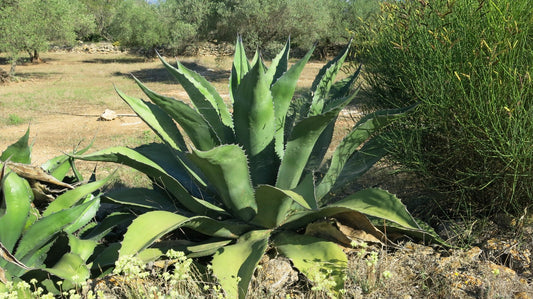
142, 198
253, 115
282, 93
157, 119
71, 267
195, 126
18, 152
234, 265
46, 228
15, 208
310, 254
279, 64
105, 256
300, 145
82, 248
226, 168
205, 98
72, 197
138, 238
176, 164
359, 163
59, 166
359, 134
324, 80
88, 214
273, 205
240, 67
191, 249
132, 158
342, 88
105, 226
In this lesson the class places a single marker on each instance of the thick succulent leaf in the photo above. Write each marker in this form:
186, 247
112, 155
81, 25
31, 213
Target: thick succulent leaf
46, 228
306, 188
18, 152
138, 238
176, 164
87, 216
226, 167
234, 265
279, 64
193, 123
371, 202
254, 124
310, 254
359, 163
132, 158
82, 248
363, 130
157, 119
282, 93
240, 67
71, 267
72, 197
142, 198
204, 97
324, 80
343, 88
107, 224
273, 205
300, 145
59, 166
14, 208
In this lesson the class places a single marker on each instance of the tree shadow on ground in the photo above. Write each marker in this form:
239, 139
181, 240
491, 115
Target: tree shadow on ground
161, 75
122, 60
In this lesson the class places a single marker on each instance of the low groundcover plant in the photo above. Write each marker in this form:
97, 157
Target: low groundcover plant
253, 178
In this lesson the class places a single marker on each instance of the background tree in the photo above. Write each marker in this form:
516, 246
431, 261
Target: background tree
32, 25
138, 24
103, 12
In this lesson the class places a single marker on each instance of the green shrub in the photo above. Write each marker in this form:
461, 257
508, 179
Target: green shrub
469, 64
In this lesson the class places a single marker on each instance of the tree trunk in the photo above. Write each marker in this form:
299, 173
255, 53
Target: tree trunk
34, 58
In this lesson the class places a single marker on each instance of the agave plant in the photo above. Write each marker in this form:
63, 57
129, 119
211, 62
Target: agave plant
35, 243
255, 176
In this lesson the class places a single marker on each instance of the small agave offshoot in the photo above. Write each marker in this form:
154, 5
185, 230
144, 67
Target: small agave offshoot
255, 177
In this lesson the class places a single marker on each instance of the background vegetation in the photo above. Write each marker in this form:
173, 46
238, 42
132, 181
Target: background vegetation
468, 64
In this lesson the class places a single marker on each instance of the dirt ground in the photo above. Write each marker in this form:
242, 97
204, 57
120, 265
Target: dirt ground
63, 98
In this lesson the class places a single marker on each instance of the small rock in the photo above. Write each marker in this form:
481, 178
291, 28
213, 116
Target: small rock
108, 115
276, 274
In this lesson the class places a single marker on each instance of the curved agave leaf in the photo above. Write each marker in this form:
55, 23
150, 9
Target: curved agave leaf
195, 126
234, 265
18, 152
138, 238
300, 145
46, 228
362, 130
205, 98
132, 158
240, 67
157, 119
17, 198
72, 197
310, 254
143, 198
273, 205
70, 267
253, 116
59, 166
226, 168
324, 80
279, 64
371, 202
342, 88
282, 93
